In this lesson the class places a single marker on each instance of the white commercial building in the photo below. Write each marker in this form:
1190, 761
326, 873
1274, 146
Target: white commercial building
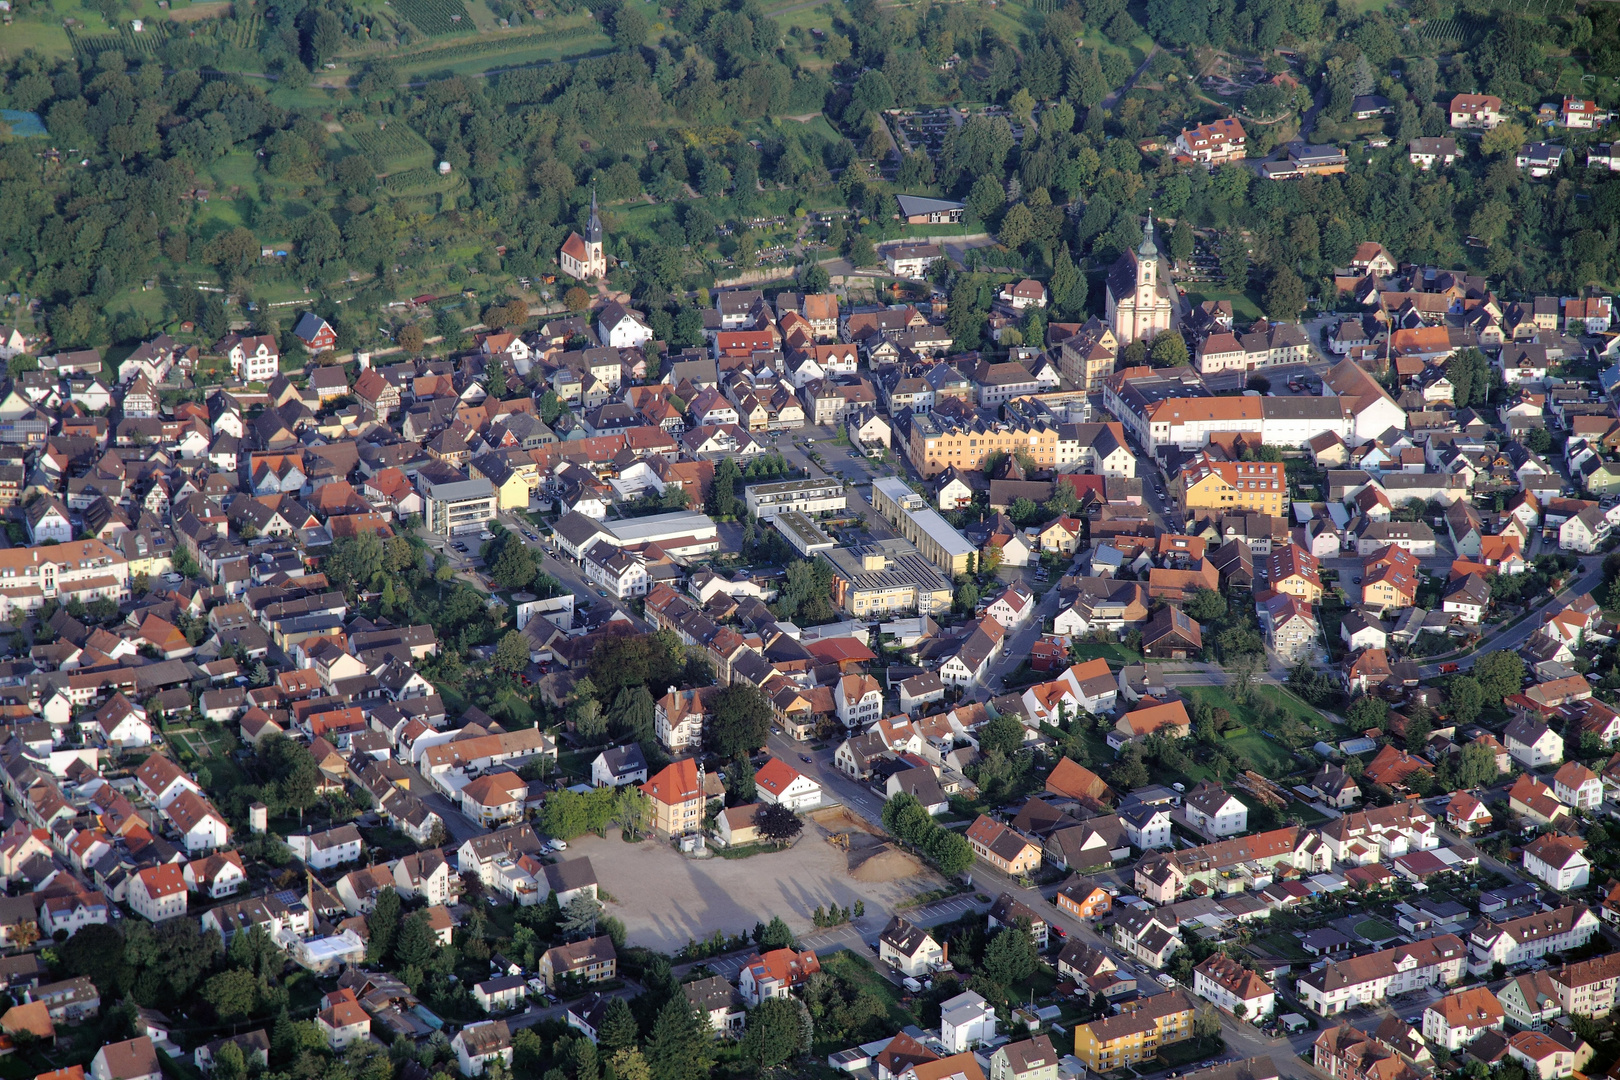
823, 496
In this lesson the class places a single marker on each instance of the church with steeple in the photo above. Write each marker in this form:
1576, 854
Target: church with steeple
582, 257
1139, 303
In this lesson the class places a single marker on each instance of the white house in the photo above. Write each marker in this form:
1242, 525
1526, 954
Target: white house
1214, 811
158, 892
324, 850
1577, 786
132, 1059
202, 827
781, 784
965, 1021
1233, 987
1458, 1019
1147, 825
476, 1045
1519, 941
1558, 861
620, 328
1532, 744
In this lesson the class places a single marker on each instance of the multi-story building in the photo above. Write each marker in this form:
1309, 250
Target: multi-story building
158, 892
939, 443
1214, 143
821, 496
1558, 860
458, 506
1476, 111
676, 793
1136, 1034
919, 523
1209, 486
883, 577
1519, 941
1004, 848
1348, 984
1458, 1019
1589, 987
1233, 987
680, 716
82, 570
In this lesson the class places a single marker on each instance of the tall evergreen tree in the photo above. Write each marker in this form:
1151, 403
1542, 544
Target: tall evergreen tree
618, 1030
681, 1047
1068, 286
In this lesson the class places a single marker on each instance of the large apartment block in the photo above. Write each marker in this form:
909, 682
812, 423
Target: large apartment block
1364, 980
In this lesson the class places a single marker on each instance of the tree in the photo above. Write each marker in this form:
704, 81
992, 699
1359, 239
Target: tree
417, 942
512, 653
774, 935
726, 476
514, 565
740, 781
814, 279
1285, 295
1068, 286
580, 917
618, 1030
740, 720
1505, 138
774, 1035
1169, 350
1500, 674
232, 994
1366, 712
292, 772
1010, 956
629, 1063
1205, 605
383, 925
1234, 256
1466, 698
777, 823
411, 338
1004, 734
681, 1046
1206, 1021
633, 714
1181, 241
576, 299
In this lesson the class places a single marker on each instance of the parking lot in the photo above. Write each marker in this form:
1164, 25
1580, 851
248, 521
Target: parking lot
694, 897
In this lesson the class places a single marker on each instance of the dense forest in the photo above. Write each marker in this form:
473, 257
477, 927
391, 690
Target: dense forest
683, 118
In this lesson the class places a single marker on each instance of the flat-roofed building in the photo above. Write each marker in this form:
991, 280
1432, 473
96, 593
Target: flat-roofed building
886, 576
806, 496
802, 532
458, 506
923, 526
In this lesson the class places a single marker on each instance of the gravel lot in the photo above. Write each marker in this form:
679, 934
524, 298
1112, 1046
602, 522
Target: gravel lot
665, 898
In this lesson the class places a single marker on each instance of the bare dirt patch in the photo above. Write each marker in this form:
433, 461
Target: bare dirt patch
666, 898
195, 12
883, 862
838, 819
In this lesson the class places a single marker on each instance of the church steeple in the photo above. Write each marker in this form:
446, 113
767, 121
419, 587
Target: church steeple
1148, 250
593, 231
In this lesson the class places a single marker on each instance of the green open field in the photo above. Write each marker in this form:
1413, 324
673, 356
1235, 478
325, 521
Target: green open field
1283, 945
1111, 651
1245, 305
1376, 930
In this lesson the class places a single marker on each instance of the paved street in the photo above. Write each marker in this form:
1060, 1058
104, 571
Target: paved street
1589, 577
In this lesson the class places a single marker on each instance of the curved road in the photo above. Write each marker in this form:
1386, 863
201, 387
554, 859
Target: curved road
1589, 575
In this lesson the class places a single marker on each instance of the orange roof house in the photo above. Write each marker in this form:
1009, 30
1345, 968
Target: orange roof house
1076, 781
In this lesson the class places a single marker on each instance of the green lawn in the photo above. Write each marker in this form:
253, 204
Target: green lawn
1245, 305
1113, 652
1272, 759
1185, 1053
1376, 930
1282, 945
859, 973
